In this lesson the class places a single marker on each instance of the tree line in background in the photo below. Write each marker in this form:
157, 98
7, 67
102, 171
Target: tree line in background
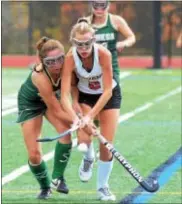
23, 23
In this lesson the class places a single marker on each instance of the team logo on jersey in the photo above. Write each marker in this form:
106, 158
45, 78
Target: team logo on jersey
105, 37
94, 85
94, 82
95, 77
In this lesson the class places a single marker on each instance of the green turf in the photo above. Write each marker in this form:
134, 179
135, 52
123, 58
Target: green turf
169, 193
12, 79
146, 140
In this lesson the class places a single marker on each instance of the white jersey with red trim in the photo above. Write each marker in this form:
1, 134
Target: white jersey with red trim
90, 82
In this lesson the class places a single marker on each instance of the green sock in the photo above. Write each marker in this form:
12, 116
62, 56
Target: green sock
41, 174
61, 157
97, 123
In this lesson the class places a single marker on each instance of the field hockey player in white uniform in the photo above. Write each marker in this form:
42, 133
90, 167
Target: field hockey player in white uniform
98, 95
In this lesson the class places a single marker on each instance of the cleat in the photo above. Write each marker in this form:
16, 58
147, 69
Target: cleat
105, 194
44, 194
85, 170
60, 185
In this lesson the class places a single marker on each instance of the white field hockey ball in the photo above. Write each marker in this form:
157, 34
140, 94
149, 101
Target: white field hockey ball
82, 147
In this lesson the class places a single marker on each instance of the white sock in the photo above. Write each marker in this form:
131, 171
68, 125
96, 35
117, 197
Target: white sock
90, 154
103, 173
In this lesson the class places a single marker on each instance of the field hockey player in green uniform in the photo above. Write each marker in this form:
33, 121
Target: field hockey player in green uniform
39, 96
108, 27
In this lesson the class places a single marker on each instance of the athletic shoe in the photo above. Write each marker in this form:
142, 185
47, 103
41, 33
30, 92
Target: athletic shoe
44, 193
105, 194
85, 169
60, 185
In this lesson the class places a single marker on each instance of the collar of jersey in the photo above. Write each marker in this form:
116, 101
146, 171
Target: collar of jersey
55, 84
93, 67
100, 26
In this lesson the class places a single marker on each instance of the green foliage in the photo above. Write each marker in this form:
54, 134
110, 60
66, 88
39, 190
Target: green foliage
28, 21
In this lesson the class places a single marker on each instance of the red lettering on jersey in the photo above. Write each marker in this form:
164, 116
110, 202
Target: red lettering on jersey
94, 85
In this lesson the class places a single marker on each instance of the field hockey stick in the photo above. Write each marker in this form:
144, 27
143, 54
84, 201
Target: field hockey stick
67, 132
152, 187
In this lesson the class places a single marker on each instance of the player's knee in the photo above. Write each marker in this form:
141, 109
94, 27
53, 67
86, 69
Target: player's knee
66, 139
35, 156
83, 137
105, 154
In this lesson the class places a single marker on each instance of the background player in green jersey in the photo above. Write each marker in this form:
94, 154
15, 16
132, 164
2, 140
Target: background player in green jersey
107, 28
38, 97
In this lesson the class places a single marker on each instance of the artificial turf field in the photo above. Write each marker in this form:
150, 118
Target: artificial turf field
147, 137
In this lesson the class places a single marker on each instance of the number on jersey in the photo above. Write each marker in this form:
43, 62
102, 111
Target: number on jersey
94, 85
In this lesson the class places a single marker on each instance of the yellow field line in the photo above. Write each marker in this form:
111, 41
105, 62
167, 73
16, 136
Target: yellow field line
93, 192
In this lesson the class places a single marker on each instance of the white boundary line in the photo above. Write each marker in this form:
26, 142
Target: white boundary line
23, 169
9, 111
149, 104
124, 75
9, 101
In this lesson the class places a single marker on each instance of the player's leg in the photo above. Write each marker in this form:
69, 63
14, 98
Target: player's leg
108, 125
61, 155
31, 131
86, 166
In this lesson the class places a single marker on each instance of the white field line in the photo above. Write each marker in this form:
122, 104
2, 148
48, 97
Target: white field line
23, 169
124, 75
9, 103
9, 111
149, 104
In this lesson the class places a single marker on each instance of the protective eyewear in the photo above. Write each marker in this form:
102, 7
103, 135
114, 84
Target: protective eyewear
83, 44
51, 61
100, 5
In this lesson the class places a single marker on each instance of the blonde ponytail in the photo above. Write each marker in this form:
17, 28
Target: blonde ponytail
82, 26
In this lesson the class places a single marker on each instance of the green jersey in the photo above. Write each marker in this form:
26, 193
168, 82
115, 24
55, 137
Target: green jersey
107, 35
30, 103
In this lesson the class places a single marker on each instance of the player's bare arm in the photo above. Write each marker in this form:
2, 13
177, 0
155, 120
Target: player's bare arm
66, 85
122, 27
48, 96
105, 62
